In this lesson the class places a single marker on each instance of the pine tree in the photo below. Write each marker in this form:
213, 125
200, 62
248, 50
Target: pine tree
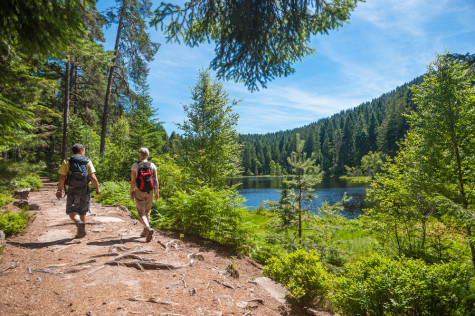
296, 196
212, 151
256, 41
132, 51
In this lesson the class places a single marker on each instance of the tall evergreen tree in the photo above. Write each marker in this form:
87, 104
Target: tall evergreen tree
132, 51
213, 153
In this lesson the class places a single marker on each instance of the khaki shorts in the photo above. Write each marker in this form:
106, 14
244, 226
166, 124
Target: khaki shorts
144, 201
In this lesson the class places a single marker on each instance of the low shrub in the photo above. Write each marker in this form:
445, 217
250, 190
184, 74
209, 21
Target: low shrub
116, 193
303, 274
32, 181
5, 199
210, 213
381, 286
13, 223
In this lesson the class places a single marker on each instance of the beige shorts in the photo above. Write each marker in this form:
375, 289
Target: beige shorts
144, 201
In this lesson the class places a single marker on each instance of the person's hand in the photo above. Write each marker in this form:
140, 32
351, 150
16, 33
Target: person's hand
156, 195
98, 191
59, 194
132, 196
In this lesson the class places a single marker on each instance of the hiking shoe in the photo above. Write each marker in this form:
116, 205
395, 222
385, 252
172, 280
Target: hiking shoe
81, 230
150, 234
144, 232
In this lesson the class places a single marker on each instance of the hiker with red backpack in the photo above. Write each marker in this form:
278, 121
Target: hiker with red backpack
143, 185
75, 174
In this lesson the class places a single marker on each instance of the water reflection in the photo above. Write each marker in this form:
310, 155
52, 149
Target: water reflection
258, 190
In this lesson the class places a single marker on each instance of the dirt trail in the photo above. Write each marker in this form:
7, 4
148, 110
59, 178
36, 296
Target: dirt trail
52, 274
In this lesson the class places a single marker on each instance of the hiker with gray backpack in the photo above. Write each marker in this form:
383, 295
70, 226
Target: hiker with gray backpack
143, 187
75, 174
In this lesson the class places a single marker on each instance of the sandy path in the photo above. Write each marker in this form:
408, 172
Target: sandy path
53, 274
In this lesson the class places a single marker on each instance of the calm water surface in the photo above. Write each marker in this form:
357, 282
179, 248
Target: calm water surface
258, 190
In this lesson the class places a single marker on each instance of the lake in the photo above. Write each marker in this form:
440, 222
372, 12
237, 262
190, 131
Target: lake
258, 190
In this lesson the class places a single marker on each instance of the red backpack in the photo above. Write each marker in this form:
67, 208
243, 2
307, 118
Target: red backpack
145, 178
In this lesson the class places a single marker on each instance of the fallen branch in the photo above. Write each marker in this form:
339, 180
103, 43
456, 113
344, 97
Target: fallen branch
183, 280
8, 268
151, 300
45, 270
257, 300
224, 284
57, 265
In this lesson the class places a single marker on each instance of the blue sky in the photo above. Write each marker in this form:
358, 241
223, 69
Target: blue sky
385, 44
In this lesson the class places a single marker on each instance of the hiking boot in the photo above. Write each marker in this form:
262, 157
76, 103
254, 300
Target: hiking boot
150, 234
144, 232
81, 230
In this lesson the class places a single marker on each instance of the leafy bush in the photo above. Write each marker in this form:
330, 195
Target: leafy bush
171, 177
116, 192
5, 199
31, 181
381, 286
13, 223
209, 213
302, 273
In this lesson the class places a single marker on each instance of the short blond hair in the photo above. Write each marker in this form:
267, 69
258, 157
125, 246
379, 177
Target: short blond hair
143, 153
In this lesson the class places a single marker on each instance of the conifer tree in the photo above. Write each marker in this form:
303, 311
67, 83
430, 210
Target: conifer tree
212, 151
256, 41
132, 51
296, 196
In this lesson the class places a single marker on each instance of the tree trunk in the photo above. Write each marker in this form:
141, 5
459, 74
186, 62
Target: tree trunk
64, 149
105, 115
74, 80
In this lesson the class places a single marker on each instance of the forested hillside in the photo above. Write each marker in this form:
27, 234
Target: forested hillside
338, 141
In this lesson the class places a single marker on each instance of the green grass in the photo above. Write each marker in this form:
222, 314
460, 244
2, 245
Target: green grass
353, 239
362, 179
256, 221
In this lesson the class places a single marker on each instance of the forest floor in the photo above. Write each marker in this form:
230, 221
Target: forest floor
114, 271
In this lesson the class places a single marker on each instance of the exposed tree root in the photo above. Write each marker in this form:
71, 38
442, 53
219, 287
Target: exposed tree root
147, 265
115, 248
85, 262
8, 268
224, 284
151, 300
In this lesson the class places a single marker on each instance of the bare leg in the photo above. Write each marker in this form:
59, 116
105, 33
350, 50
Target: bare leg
74, 216
145, 220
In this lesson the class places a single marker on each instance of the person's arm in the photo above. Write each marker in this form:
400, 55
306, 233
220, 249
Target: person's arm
157, 185
133, 177
96, 183
59, 192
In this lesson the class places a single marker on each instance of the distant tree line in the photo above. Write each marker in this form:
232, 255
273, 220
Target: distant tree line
338, 141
